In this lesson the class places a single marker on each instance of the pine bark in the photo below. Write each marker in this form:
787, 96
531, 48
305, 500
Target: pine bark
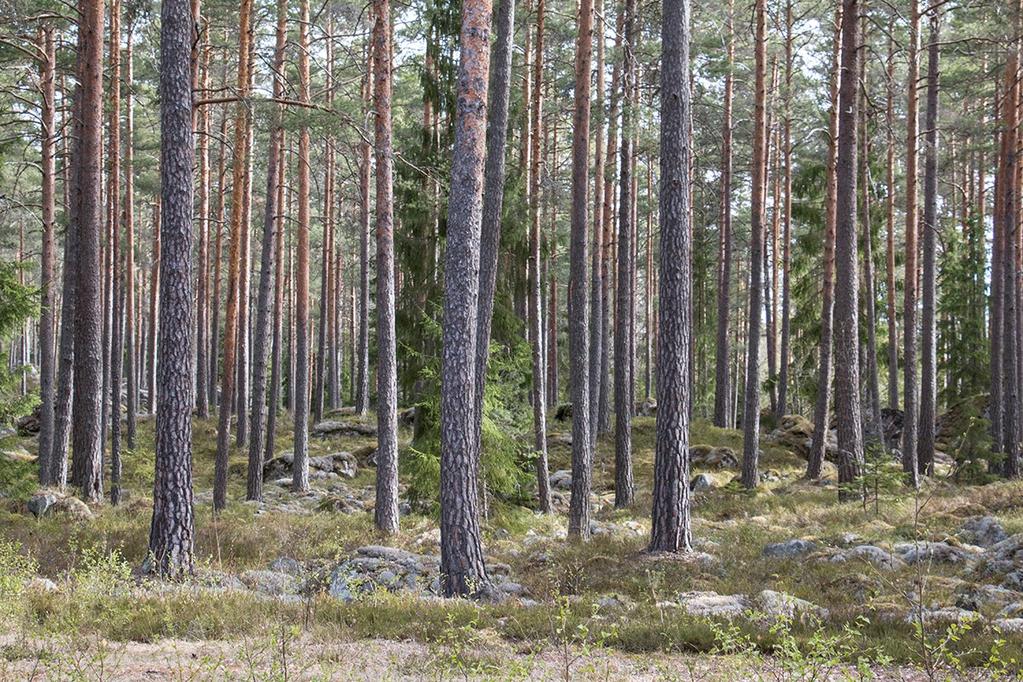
786, 268
822, 402
847, 375
240, 165
722, 383
751, 402
535, 294
88, 361
909, 428
300, 468
928, 294
578, 305
267, 271
463, 569
171, 536
47, 303
624, 380
386, 512
670, 530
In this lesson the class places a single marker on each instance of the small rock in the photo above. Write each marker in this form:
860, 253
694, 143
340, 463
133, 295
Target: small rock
983, 597
789, 549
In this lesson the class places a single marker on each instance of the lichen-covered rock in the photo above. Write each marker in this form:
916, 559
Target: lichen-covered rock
782, 605
561, 479
1013, 625
934, 552
286, 564
702, 482
973, 597
941, 616
869, 553
983, 531
40, 503
331, 427
714, 605
273, 583
789, 549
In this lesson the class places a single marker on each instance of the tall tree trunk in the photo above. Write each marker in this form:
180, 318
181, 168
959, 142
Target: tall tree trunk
625, 399
493, 201
596, 276
88, 361
154, 299
786, 268
670, 531
267, 270
535, 296
1008, 270
116, 338
362, 378
462, 565
171, 535
202, 340
276, 370
751, 403
578, 305
724, 271
128, 218
822, 403
217, 263
300, 468
386, 512
909, 427
893, 334
847, 375
47, 359
607, 251
323, 366
240, 164
928, 330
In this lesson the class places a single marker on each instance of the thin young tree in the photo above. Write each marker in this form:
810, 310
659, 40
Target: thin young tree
597, 256
670, 529
893, 334
751, 402
171, 534
115, 336
463, 569
386, 511
578, 305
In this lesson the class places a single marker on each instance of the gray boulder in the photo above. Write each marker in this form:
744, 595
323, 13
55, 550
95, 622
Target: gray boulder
983, 531
789, 549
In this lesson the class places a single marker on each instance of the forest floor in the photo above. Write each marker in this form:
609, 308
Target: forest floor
786, 583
